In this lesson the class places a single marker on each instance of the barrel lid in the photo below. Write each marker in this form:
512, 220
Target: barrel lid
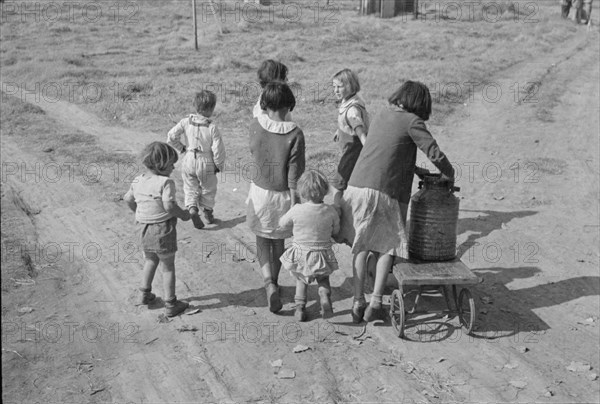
436, 181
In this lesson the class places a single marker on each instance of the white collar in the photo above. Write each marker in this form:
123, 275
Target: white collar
275, 126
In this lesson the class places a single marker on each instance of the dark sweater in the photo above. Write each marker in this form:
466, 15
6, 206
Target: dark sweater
279, 158
387, 160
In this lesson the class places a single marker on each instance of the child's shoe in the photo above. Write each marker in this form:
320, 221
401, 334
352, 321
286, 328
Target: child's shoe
358, 311
175, 307
147, 297
273, 298
208, 215
195, 216
326, 308
300, 313
373, 313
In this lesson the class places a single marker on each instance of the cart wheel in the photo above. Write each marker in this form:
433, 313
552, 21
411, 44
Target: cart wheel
397, 313
466, 310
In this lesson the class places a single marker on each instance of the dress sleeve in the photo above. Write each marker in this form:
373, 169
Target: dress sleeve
129, 196
427, 144
354, 119
168, 191
296, 161
174, 136
287, 221
218, 148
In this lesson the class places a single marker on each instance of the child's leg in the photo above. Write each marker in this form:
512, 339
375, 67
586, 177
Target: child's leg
300, 300
151, 261
359, 269
325, 296
278, 250
173, 306
208, 192
191, 184
375, 311
264, 249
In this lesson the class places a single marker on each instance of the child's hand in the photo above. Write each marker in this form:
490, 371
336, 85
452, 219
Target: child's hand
185, 215
421, 172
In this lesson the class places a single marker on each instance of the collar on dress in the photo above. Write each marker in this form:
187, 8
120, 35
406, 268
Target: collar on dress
199, 120
275, 126
355, 99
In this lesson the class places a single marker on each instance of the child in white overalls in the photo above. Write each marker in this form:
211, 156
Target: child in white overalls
204, 157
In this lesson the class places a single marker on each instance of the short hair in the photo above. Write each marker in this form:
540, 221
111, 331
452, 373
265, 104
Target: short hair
271, 70
205, 100
277, 95
313, 186
158, 156
349, 78
414, 97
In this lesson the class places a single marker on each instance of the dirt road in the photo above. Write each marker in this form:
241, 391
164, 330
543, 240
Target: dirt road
527, 151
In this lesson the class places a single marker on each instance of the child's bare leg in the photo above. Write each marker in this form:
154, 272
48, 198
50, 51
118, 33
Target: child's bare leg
300, 300
151, 261
325, 296
168, 273
266, 260
359, 269
375, 311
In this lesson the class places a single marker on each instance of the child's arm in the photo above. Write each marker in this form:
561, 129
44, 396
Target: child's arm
296, 164
287, 220
174, 136
170, 203
424, 141
130, 199
336, 222
218, 148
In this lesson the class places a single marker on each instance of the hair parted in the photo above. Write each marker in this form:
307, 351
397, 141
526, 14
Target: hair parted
271, 70
413, 96
277, 95
313, 186
348, 78
158, 156
205, 100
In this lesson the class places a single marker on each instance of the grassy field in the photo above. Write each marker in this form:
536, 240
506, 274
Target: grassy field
134, 63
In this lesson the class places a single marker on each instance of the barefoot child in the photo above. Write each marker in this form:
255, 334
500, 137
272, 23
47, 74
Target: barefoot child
277, 148
374, 206
152, 198
200, 140
310, 257
353, 125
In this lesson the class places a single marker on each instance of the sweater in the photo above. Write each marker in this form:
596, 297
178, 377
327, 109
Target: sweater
278, 152
387, 160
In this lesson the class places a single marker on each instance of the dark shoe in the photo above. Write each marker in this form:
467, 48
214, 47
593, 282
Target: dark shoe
358, 312
273, 298
374, 313
147, 297
300, 313
195, 216
326, 308
176, 307
208, 215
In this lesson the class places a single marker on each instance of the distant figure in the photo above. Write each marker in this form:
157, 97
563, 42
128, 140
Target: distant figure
278, 151
200, 140
310, 257
582, 10
269, 71
152, 198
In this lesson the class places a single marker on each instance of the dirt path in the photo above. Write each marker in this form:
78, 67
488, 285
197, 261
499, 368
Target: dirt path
528, 227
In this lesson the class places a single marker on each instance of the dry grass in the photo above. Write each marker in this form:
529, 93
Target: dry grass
147, 69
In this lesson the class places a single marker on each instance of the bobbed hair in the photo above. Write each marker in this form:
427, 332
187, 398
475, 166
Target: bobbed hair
205, 100
313, 186
348, 78
158, 156
271, 70
277, 95
413, 96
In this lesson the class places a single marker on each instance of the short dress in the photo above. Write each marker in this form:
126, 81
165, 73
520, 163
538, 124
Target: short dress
311, 255
373, 221
264, 208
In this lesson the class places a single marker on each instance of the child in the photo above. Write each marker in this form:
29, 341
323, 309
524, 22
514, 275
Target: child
353, 125
204, 157
277, 148
374, 206
152, 198
268, 72
311, 257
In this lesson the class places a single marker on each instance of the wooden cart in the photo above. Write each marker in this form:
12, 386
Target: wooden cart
427, 276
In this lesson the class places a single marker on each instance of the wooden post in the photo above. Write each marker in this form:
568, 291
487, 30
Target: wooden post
195, 24
415, 9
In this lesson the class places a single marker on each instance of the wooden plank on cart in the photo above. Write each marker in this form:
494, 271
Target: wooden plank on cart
453, 272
